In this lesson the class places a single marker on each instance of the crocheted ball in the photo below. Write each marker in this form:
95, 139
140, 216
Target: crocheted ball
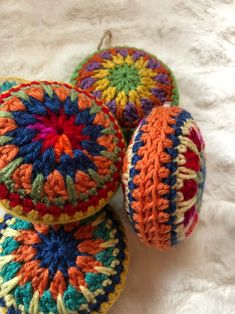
8, 82
163, 179
73, 268
130, 81
61, 153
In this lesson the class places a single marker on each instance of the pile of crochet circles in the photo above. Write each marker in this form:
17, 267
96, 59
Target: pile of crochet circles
64, 150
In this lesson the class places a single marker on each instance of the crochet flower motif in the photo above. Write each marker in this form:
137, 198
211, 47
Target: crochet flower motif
60, 153
130, 81
74, 267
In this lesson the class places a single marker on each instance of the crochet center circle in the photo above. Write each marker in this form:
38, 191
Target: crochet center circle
163, 177
74, 268
124, 77
60, 153
130, 81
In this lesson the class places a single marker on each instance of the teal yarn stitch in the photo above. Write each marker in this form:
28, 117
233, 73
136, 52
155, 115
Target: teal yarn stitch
10, 270
7, 85
8, 82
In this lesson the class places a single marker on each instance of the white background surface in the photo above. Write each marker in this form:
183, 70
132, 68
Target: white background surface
196, 38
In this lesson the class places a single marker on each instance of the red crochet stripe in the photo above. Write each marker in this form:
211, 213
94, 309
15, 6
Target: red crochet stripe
28, 205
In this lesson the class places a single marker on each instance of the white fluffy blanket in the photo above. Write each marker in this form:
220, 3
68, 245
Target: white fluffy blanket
196, 38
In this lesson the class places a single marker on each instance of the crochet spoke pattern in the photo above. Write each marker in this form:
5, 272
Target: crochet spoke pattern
130, 81
8, 82
75, 268
163, 179
61, 152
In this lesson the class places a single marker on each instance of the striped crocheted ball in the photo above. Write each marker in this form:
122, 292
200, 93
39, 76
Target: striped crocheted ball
130, 81
74, 268
163, 177
8, 82
61, 153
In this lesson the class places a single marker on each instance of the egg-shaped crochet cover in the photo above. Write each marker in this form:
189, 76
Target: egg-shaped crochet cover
74, 268
61, 153
163, 177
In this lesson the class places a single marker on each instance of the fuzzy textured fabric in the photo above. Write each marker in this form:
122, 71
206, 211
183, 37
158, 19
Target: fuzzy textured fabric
130, 81
74, 268
61, 153
41, 40
164, 176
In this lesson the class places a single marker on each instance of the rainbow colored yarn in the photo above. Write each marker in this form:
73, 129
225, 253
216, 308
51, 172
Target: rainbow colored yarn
130, 82
8, 82
61, 153
75, 268
163, 177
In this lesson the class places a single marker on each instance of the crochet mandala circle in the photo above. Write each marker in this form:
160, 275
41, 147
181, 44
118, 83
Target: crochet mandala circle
8, 82
61, 153
130, 82
74, 268
163, 177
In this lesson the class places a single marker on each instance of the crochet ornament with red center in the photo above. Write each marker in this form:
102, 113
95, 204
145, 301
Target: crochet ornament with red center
61, 153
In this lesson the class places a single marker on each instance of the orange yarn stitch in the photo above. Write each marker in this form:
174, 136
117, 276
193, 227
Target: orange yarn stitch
149, 180
163, 205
